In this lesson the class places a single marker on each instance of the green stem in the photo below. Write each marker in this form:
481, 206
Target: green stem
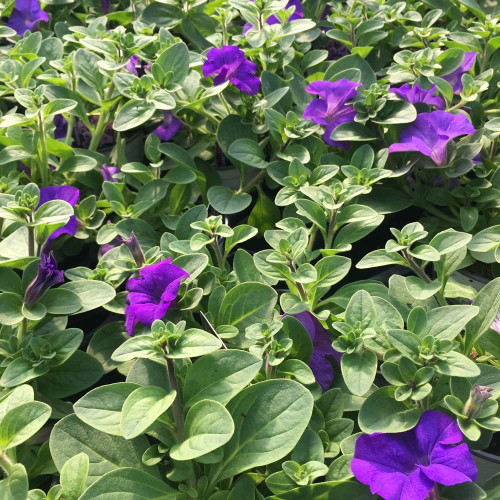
208, 116
44, 157
457, 106
493, 150
69, 133
5, 463
218, 254
31, 241
177, 411
104, 118
226, 105
331, 230
312, 238
21, 330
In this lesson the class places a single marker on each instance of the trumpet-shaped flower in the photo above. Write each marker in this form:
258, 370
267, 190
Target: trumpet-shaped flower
330, 109
406, 465
417, 94
26, 15
455, 77
322, 350
152, 293
229, 64
66, 193
108, 172
47, 276
168, 128
431, 133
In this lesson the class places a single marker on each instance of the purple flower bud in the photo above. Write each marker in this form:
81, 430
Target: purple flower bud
108, 172
478, 395
229, 63
26, 16
135, 249
48, 275
168, 128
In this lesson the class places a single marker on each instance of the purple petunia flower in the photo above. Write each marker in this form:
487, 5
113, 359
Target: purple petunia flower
67, 193
150, 295
168, 128
406, 465
298, 13
455, 77
136, 66
26, 15
431, 133
496, 323
416, 94
322, 350
330, 109
47, 276
61, 125
229, 63
108, 172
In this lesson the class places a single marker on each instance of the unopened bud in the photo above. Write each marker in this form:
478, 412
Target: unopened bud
478, 395
135, 249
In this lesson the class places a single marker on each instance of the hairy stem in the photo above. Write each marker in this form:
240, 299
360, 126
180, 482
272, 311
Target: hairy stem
104, 118
21, 330
44, 157
5, 463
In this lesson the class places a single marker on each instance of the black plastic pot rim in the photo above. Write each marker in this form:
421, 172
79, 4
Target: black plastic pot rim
486, 456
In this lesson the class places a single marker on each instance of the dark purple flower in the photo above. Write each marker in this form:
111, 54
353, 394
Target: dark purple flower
135, 249
168, 128
131, 65
405, 465
108, 172
229, 63
455, 77
66, 193
322, 350
330, 109
431, 133
416, 94
61, 125
105, 6
150, 295
297, 14
48, 275
26, 15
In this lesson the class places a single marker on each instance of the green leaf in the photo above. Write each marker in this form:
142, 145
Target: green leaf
486, 240
359, 370
379, 258
101, 407
10, 308
269, 419
457, 365
405, 342
133, 114
105, 341
445, 323
382, 413
194, 343
74, 475
327, 491
360, 310
15, 486
86, 67
128, 483
247, 304
19, 371
241, 233
92, 293
70, 436
330, 270
208, 426
175, 59
219, 376
420, 290
61, 301
298, 370
141, 346
248, 152
227, 201
162, 15
20, 423
178, 155
352, 131
141, 409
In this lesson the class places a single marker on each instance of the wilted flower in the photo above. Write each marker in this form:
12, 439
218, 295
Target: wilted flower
297, 14
108, 172
330, 109
455, 77
61, 125
229, 63
417, 94
478, 395
168, 128
26, 15
150, 295
47, 276
430, 134
406, 465
135, 249
322, 350
66, 193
